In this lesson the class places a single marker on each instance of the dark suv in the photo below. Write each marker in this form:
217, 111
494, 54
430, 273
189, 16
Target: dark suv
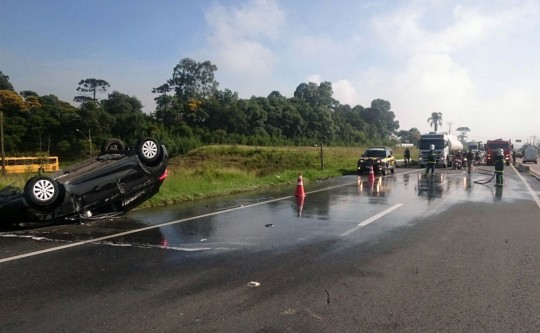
380, 158
110, 184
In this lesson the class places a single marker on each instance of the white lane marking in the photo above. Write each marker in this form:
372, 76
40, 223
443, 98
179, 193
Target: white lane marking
371, 219
533, 194
99, 239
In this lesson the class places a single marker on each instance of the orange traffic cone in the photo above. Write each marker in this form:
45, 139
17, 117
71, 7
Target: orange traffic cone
371, 176
300, 187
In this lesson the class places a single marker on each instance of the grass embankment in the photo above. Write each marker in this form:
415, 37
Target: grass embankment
218, 170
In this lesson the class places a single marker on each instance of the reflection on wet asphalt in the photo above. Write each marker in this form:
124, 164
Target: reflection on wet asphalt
276, 219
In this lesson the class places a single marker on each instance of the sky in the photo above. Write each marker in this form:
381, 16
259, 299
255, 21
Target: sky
474, 61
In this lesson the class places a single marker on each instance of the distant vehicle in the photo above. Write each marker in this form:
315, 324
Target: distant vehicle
110, 184
530, 155
31, 164
491, 150
474, 147
445, 145
380, 158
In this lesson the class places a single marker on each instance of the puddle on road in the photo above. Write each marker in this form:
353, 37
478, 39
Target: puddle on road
322, 213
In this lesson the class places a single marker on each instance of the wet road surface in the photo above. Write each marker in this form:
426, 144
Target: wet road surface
406, 252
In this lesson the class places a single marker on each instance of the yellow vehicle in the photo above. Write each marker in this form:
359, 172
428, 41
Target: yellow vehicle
381, 159
31, 164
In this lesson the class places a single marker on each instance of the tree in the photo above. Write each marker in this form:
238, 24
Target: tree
410, 136
380, 119
130, 120
4, 82
91, 87
435, 120
463, 134
351, 125
10, 100
316, 95
15, 116
193, 84
191, 80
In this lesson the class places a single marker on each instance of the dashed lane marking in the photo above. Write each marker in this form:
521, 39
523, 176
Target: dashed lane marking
371, 219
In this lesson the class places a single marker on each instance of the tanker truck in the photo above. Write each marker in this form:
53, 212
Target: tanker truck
445, 146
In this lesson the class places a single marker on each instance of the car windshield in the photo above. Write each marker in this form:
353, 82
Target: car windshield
425, 144
375, 153
499, 146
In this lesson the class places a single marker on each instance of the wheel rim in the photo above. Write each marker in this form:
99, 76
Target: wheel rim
149, 149
43, 190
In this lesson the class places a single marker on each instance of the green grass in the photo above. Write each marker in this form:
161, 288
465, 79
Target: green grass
218, 170
17, 180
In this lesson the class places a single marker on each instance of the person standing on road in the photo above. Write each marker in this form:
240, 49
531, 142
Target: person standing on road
407, 157
470, 158
499, 168
514, 156
431, 160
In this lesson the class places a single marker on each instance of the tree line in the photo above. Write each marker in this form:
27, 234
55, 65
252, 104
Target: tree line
190, 111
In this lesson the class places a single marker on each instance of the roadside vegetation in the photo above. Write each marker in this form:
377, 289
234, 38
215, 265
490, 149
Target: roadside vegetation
216, 170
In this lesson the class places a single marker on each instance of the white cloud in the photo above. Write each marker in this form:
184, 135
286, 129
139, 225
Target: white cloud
344, 92
453, 62
314, 47
315, 78
238, 35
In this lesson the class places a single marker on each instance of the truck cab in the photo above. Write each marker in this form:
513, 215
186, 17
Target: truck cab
444, 145
491, 150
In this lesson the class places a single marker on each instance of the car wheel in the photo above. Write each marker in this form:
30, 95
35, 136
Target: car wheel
41, 191
112, 146
148, 150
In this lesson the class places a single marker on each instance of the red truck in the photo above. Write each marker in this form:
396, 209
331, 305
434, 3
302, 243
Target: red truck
491, 150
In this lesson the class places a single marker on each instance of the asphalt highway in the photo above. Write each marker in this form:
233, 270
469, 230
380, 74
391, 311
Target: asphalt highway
403, 253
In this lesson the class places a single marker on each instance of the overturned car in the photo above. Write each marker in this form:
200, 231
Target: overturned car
110, 184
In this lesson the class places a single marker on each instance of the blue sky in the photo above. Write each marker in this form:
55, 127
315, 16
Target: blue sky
476, 62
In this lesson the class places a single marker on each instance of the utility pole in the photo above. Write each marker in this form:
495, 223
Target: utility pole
89, 138
2, 143
322, 157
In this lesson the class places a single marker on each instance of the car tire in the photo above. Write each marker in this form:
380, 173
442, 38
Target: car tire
148, 150
41, 191
112, 146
